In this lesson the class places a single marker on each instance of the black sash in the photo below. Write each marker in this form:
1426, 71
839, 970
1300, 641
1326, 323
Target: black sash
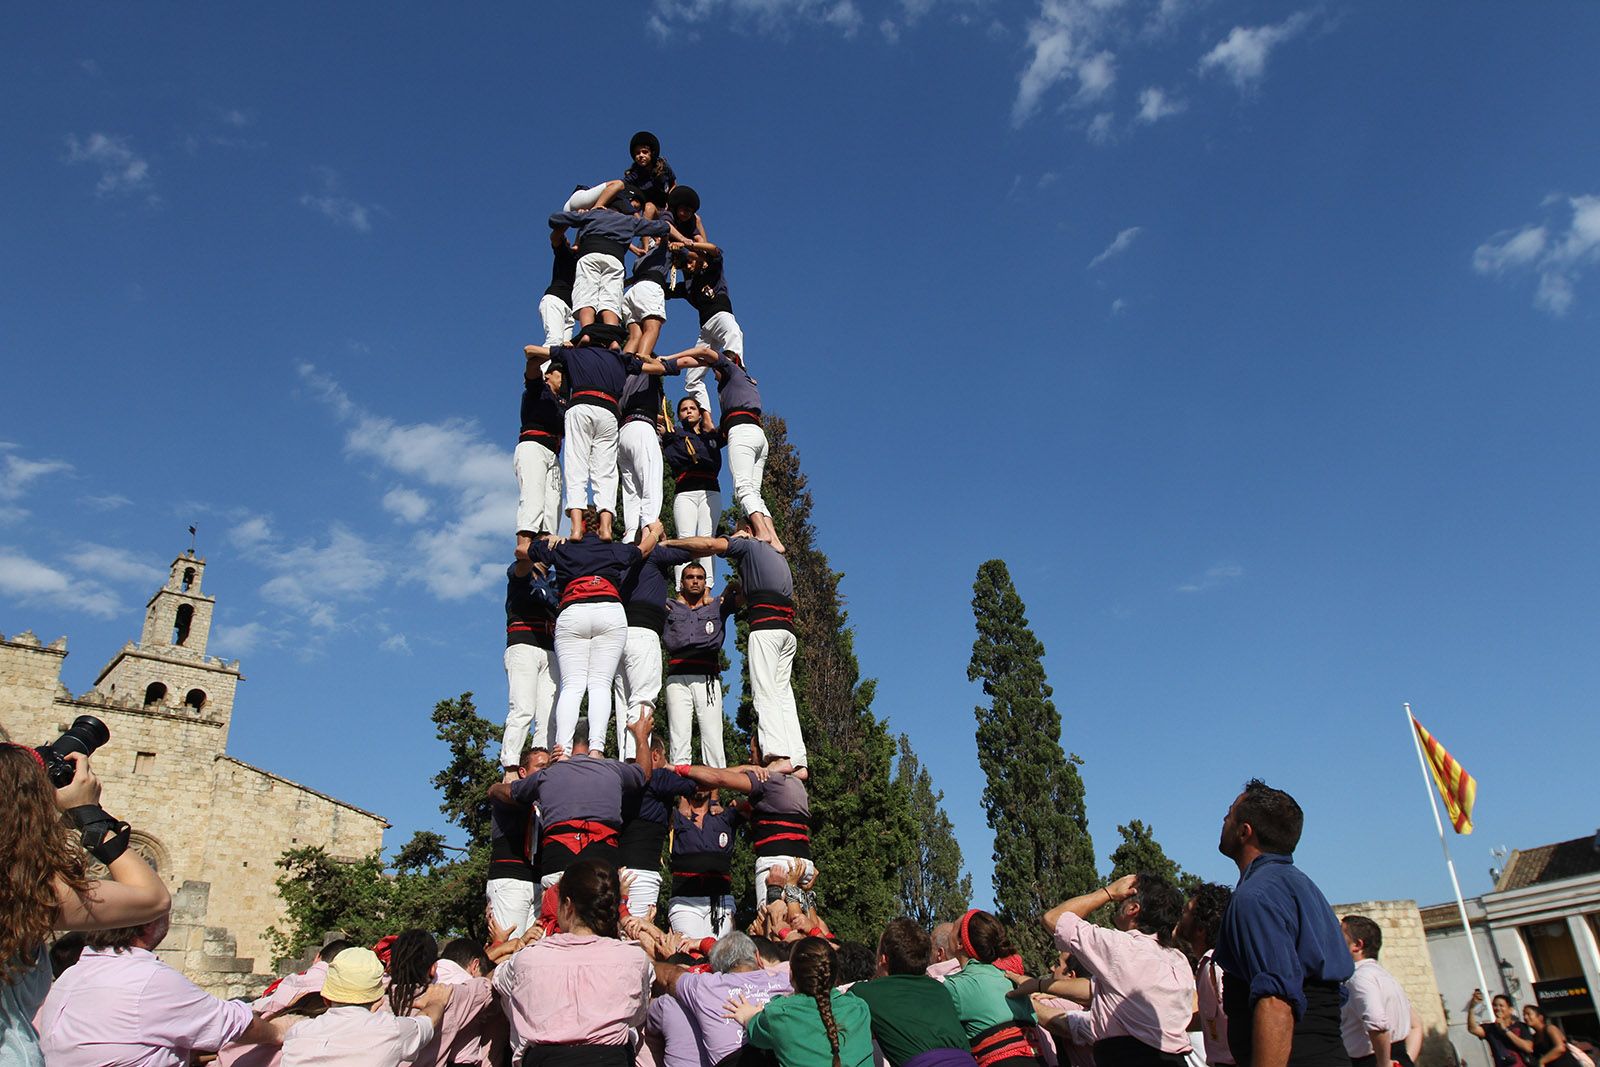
1131, 1052
1317, 1041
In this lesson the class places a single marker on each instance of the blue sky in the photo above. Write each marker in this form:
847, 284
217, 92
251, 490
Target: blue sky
1259, 340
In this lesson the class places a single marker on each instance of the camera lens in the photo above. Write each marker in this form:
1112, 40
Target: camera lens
87, 734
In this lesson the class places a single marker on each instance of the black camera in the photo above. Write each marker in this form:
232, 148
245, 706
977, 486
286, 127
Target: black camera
87, 734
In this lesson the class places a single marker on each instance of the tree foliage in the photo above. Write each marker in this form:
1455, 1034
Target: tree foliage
863, 834
933, 886
1140, 853
429, 884
1034, 797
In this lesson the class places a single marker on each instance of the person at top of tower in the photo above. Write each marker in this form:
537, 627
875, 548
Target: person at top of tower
740, 403
649, 173
604, 235
705, 286
692, 451
683, 206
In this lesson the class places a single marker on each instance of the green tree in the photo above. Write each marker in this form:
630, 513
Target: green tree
933, 886
1140, 853
863, 833
429, 884
1034, 797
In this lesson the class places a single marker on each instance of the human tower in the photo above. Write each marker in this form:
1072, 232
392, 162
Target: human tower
588, 615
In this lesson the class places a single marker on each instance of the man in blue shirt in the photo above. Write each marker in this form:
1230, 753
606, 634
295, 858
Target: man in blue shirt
1282, 953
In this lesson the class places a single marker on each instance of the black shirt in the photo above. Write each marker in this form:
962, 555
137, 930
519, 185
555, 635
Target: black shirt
562, 273
542, 419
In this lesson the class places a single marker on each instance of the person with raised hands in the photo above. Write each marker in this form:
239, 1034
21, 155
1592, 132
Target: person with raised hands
605, 234
816, 1025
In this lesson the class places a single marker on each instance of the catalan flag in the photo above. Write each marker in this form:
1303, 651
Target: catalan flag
1458, 788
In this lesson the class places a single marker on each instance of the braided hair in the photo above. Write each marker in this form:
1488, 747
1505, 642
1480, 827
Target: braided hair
411, 961
592, 888
811, 968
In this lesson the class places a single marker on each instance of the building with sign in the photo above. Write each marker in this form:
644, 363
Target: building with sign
1536, 934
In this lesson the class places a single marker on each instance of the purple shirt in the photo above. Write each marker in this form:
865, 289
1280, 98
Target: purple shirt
128, 1009
1141, 990
703, 995
670, 1021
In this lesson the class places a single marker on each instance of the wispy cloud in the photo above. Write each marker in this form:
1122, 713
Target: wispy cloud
1243, 54
407, 505
106, 501
121, 169
1099, 129
17, 476
333, 204
313, 578
1118, 245
30, 581
1215, 577
1155, 105
396, 643
114, 564
1064, 44
1558, 252
241, 640
669, 18
1118, 306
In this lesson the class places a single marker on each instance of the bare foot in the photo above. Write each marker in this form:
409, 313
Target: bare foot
605, 526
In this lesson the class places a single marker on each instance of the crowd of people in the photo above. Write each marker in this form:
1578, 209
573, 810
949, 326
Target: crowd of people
592, 961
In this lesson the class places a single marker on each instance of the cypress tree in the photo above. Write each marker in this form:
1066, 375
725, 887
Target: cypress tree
933, 887
1034, 798
1140, 853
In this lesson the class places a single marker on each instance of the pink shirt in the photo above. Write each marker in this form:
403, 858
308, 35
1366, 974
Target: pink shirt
353, 1035
292, 986
1213, 1020
576, 989
464, 1032
1141, 990
128, 1009
943, 969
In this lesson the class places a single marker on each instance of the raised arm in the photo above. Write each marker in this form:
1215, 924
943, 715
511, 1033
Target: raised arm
1085, 904
716, 777
1474, 1026
700, 546
536, 355
134, 895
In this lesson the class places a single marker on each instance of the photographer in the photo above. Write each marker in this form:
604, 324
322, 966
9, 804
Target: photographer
44, 886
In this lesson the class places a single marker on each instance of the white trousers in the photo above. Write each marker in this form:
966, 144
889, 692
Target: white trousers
598, 283
747, 462
589, 642
645, 892
691, 916
584, 198
644, 300
639, 467
634, 690
766, 865
694, 514
590, 449
692, 697
532, 680
771, 657
556, 314
538, 488
721, 332
515, 902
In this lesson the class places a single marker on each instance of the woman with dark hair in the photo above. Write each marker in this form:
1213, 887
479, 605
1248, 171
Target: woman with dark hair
1549, 1043
43, 885
1202, 918
1509, 1039
693, 453
998, 1026
649, 173
816, 1025
1144, 991
577, 998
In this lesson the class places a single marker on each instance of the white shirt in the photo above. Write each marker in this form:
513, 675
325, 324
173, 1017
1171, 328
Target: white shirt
351, 1035
1375, 1001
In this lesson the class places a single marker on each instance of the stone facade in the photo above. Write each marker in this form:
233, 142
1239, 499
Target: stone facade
1405, 955
212, 825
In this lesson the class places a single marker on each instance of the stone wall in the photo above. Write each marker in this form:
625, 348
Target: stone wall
1405, 955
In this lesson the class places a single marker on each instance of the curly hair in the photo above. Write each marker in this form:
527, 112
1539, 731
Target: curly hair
1160, 906
591, 887
1209, 901
811, 968
36, 851
411, 961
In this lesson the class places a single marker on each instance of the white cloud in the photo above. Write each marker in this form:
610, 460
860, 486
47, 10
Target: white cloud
31, 581
1242, 55
114, 564
1048, 178
250, 533
315, 579
1155, 105
106, 501
890, 31
236, 641
339, 208
774, 17
121, 169
1118, 245
407, 505
1557, 252
396, 643
17, 473
1064, 44
467, 553
1218, 575
1118, 306
1099, 128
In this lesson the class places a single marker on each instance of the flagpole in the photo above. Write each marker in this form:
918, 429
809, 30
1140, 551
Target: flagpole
1433, 802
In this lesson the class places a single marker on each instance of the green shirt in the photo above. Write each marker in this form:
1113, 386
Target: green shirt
792, 1027
911, 1013
979, 991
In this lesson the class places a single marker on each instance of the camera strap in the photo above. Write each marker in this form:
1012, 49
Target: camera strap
104, 836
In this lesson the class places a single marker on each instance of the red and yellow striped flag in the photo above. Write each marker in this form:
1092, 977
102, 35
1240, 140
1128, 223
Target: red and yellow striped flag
1458, 788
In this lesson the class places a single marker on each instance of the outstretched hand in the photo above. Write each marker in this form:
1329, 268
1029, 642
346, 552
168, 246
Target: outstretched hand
740, 1009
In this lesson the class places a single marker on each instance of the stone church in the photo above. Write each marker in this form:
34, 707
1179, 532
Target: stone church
211, 824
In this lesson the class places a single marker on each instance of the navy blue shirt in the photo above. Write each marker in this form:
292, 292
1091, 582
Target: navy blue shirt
706, 290
563, 273
588, 571
645, 815
644, 588
595, 375
652, 266
530, 608
737, 395
1279, 933
653, 186
694, 458
608, 232
702, 855
642, 398
543, 421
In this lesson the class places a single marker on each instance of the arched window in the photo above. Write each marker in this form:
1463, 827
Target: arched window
154, 693
195, 700
188, 578
180, 625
